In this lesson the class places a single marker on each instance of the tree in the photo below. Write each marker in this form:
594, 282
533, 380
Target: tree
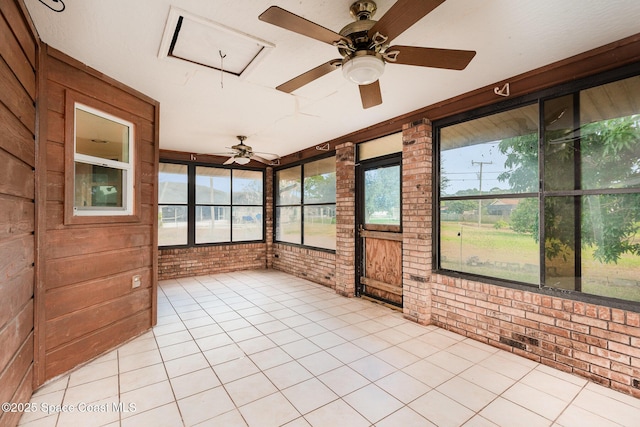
320, 188
524, 218
609, 157
382, 190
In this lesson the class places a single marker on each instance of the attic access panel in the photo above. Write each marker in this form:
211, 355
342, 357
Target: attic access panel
204, 42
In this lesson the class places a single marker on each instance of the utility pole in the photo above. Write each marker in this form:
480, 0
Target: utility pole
473, 163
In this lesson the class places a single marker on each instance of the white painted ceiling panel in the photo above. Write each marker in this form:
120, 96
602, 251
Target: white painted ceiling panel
123, 38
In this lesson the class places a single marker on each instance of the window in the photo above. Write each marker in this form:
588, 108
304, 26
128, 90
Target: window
103, 160
547, 193
201, 205
382, 199
306, 204
173, 204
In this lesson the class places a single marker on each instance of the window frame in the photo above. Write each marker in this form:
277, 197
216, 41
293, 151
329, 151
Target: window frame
301, 205
571, 88
132, 211
192, 204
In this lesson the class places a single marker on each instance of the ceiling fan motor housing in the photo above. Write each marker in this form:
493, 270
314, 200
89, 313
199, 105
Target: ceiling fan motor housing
363, 9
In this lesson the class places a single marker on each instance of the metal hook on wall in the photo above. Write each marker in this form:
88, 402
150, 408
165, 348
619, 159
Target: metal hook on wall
502, 91
59, 5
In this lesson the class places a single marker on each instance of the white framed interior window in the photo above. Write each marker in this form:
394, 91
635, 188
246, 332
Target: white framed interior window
100, 165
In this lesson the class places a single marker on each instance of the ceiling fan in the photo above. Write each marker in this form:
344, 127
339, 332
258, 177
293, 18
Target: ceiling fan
243, 154
364, 45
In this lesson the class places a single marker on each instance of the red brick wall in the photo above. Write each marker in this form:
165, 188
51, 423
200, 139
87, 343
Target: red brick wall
345, 219
174, 263
596, 342
416, 220
599, 343
317, 266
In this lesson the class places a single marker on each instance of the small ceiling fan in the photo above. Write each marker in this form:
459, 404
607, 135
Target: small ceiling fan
364, 45
243, 154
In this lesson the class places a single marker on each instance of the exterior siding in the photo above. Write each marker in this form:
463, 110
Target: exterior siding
19, 52
88, 305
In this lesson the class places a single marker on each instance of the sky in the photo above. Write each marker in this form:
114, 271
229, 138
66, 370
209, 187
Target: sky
463, 175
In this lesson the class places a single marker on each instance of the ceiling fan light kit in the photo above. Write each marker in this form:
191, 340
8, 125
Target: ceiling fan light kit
241, 160
364, 45
364, 68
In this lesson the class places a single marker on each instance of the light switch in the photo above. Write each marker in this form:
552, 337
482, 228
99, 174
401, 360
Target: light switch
135, 281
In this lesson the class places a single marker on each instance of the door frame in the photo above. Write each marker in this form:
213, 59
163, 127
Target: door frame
394, 159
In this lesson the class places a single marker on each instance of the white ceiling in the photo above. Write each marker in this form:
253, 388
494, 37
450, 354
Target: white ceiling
198, 114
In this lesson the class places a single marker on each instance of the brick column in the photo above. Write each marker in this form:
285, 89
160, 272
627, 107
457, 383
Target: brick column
417, 157
345, 219
269, 215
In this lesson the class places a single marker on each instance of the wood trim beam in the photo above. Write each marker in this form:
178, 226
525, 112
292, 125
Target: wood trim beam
368, 234
381, 286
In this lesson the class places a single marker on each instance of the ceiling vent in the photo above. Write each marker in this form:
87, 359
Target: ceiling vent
204, 42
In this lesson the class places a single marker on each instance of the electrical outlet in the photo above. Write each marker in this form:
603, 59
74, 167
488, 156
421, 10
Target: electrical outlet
136, 281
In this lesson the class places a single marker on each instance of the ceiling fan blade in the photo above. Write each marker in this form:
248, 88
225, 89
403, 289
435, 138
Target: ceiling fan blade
450, 59
309, 76
292, 22
229, 161
261, 159
402, 15
370, 94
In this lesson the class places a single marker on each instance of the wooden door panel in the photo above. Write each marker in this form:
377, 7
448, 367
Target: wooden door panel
383, 269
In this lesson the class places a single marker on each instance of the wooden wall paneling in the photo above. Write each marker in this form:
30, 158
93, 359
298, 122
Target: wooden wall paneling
66, 357
55, 98
21, 368
146, 150
16, 332
148, 173
16, 177
15, 138
14, 95
54, 215
17, 216
22, 29
24, 389
41, 197
91, 240
55, 186
89, 303
64, 300
55, 126
17, 255
81, 268
154, 215
147, 193
15, 57
73, 326
15, 292
55, 156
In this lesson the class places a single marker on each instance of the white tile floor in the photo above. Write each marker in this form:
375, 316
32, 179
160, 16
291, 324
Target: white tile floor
262, 348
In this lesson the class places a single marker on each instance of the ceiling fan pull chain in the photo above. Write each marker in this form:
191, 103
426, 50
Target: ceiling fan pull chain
222, 56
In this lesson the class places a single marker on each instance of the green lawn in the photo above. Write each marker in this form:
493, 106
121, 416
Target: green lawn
503, 253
